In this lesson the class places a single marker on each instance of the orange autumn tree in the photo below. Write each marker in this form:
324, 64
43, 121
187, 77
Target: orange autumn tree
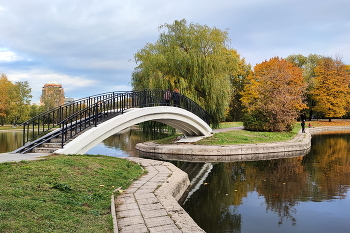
273, 96
332, 91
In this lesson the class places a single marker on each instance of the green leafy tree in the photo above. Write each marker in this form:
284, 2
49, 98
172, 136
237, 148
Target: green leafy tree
194, 58
240, 72
14, 100
34, 110
273, 96
308, 65
20, 102
332, 91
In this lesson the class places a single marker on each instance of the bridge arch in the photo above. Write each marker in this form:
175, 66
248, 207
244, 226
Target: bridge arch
184, 121
60, 125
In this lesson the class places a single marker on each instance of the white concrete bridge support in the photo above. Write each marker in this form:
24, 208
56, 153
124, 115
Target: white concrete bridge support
181, 119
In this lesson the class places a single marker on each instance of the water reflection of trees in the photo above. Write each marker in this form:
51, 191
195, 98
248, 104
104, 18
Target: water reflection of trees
328, 167
321, 175
281, 183
126, 140
9, 141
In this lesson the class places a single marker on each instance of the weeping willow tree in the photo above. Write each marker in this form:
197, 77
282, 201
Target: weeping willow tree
194, 58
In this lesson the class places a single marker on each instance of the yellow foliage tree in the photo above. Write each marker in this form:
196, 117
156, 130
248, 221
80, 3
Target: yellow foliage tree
20, 102
14, 100
332, 91
5, 97
273, 96
308, 65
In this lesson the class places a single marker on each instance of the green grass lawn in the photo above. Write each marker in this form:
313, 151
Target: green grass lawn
19, 127
239, 136
62, 193
248, 137
230, 124
10, 127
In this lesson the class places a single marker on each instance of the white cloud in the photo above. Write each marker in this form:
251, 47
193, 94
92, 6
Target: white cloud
37, 78
9, 56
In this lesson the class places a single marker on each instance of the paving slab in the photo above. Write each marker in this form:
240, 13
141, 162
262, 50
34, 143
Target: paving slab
16, 157
189, 139
150, 203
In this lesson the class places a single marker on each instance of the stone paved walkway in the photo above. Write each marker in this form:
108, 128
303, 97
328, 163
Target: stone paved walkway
15, 157
150, 203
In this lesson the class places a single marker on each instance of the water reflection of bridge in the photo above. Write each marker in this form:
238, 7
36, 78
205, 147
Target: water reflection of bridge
197, 173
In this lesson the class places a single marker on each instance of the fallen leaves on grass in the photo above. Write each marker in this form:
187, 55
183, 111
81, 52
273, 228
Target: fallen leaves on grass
335, 122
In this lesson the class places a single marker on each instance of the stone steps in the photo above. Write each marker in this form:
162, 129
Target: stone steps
56, 140
48, 147
53, 145
44, 149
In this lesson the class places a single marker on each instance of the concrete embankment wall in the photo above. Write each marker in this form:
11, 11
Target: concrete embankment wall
318, 130
298, 146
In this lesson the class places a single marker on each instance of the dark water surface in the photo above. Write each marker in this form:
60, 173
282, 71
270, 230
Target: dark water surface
123, 143
10, 140
118, 145
302, 194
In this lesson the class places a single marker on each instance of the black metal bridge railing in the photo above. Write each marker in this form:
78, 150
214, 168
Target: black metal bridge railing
68, 120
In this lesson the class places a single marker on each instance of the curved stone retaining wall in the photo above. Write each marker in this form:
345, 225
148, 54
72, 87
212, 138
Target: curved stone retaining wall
317, 130
223, 158
298, 146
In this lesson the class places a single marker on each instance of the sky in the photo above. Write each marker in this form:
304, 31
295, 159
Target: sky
88, 46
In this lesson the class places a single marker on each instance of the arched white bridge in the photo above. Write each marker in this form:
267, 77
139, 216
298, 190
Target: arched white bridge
184, 121
64, 126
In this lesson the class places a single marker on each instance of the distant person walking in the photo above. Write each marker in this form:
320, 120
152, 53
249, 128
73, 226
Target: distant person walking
176, 97
303, 126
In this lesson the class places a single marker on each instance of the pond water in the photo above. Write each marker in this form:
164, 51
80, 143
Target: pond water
301, 194
118, 145
10, 140
123, 143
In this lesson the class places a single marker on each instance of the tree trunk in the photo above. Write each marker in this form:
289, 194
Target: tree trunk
310, 116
